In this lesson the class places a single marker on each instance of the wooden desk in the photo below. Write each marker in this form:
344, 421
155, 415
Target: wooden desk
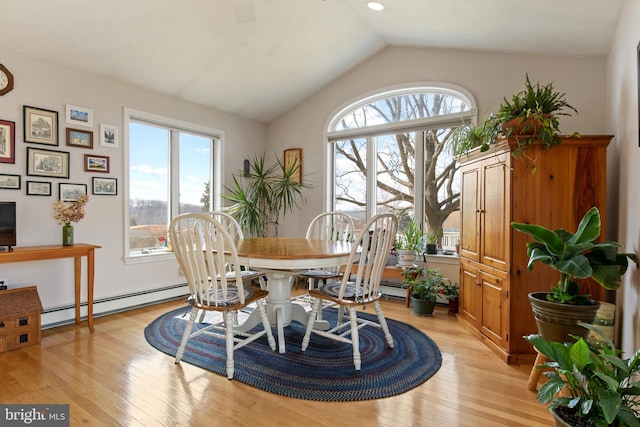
77, 251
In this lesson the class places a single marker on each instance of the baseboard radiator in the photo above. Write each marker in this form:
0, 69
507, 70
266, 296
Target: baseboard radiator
65, 315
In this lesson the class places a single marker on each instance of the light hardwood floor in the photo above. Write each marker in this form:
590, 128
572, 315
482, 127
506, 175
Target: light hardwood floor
113, 377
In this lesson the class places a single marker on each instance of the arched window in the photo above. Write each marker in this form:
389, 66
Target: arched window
390, 152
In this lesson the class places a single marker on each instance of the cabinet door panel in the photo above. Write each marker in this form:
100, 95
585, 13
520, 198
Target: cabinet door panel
470, 294
495, 215
469, 213
494, 309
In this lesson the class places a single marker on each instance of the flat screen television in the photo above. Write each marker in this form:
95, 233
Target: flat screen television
7, 225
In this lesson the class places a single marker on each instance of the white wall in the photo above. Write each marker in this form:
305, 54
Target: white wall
623, 117
488, 76
51, 86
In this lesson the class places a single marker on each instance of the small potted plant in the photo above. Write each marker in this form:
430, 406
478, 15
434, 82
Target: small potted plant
425, 284
432, 243
408, 244
576, 256
589, 385
532, 115
468, 136
451, 291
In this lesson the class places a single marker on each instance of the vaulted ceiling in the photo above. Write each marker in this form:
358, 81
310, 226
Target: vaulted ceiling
258, 58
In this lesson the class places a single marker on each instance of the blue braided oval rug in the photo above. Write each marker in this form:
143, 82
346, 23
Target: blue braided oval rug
324, 372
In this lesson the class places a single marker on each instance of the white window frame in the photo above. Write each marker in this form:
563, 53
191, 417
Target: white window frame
217, 173
330, 135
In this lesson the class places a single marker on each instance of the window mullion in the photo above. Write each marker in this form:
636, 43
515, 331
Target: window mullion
174, 174
372, 175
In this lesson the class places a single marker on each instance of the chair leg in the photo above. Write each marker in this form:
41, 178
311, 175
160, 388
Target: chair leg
383, 323
312, 319
355, 337
228, 327
266, 325
186, 334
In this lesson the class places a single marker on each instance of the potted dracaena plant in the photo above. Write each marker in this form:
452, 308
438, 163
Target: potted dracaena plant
263, 194
576, 256
589, 384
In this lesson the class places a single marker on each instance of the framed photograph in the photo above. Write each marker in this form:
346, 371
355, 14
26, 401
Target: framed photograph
108, 135
38, 188
7, 142
293, 157
47, 163
96, 163
11, 182
104, 186
40, 126
79, 138
71, 192
79, 116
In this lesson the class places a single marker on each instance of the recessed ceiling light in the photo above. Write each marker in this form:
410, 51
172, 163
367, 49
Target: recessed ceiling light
374, 5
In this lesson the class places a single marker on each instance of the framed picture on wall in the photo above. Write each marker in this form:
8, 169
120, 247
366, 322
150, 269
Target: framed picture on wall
96, 163
47, 163
79, 116
108, 135
79, 138
11, 182
105, 186
38, 188
7, 141
40, 126
71, 192
293, 158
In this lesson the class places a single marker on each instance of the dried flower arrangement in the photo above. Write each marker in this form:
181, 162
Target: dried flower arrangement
67, 212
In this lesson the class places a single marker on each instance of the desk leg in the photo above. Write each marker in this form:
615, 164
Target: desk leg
77, 263
90, 276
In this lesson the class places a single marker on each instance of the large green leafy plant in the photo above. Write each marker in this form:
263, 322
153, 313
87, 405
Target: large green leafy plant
598, 385
536, 110
262, 195
576, 256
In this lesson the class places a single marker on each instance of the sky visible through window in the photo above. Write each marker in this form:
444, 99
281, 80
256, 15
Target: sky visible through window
149, 164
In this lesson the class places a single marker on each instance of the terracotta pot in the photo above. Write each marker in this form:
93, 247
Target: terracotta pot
520, 127
556, 322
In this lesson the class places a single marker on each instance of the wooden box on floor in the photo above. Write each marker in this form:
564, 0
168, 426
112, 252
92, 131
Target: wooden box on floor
20, 311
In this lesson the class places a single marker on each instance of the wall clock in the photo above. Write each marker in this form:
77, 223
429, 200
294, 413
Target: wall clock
6, 80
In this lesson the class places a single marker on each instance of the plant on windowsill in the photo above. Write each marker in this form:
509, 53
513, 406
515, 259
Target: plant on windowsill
432, 242
599, 388
264, 194
408, 244
576, 256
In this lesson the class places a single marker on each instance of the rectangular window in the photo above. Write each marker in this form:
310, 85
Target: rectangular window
171, 168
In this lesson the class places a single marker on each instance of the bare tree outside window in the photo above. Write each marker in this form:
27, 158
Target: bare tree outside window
397, 170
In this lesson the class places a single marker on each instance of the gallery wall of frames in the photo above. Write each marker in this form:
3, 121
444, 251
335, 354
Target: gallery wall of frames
48, 157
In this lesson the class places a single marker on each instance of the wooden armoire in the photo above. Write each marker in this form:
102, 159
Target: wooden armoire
551, 187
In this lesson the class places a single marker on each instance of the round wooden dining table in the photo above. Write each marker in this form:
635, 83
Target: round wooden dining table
282, 258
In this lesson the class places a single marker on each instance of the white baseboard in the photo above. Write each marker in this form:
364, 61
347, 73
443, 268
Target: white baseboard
65, 315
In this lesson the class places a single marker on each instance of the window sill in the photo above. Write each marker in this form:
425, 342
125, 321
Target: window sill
140, 258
